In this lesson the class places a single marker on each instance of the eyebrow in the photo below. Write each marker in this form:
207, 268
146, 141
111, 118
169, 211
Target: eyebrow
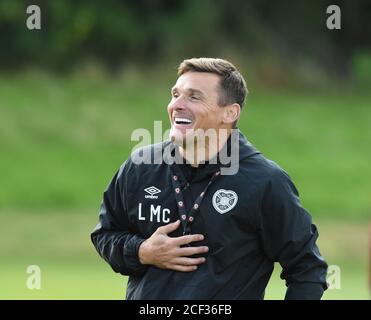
190, 90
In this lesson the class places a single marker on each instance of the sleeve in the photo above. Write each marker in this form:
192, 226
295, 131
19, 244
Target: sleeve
289, 237
115, 242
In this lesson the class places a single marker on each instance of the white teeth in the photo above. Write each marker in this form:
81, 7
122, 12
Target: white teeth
182, 120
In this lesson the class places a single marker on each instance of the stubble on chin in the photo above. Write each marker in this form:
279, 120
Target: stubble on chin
178, 139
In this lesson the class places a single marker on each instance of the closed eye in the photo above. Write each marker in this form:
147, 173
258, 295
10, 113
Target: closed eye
174, 93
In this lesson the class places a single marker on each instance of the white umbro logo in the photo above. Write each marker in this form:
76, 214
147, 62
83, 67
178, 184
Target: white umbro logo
151, 192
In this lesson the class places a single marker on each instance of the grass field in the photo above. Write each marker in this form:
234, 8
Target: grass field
61, 140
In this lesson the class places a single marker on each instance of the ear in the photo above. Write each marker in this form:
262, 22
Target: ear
231, 113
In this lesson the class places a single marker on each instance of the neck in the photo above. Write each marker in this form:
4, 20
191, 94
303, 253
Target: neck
202, 150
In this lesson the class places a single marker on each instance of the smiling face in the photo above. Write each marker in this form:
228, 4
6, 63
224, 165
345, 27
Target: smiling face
195, 105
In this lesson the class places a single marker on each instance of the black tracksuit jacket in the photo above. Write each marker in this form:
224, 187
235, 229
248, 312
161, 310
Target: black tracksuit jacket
267, 224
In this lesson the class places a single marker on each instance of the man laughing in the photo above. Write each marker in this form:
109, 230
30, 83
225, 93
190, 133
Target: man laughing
191, 229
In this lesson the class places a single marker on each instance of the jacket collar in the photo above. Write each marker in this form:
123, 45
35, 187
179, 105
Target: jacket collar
235, 141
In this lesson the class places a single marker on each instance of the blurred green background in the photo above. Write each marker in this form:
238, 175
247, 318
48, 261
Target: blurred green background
72, 93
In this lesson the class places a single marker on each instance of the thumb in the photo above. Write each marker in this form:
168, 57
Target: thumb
169, 227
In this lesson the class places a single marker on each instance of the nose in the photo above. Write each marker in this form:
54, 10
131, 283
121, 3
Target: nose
177, 104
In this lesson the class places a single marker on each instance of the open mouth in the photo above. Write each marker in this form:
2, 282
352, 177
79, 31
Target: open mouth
182, 121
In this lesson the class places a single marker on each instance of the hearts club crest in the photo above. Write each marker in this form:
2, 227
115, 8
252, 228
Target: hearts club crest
224, 200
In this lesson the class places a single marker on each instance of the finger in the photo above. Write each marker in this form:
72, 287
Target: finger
184, 261
183, 268
168, 227
187, 239
189, 251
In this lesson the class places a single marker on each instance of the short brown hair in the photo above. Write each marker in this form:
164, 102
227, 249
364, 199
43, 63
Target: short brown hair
232, 83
